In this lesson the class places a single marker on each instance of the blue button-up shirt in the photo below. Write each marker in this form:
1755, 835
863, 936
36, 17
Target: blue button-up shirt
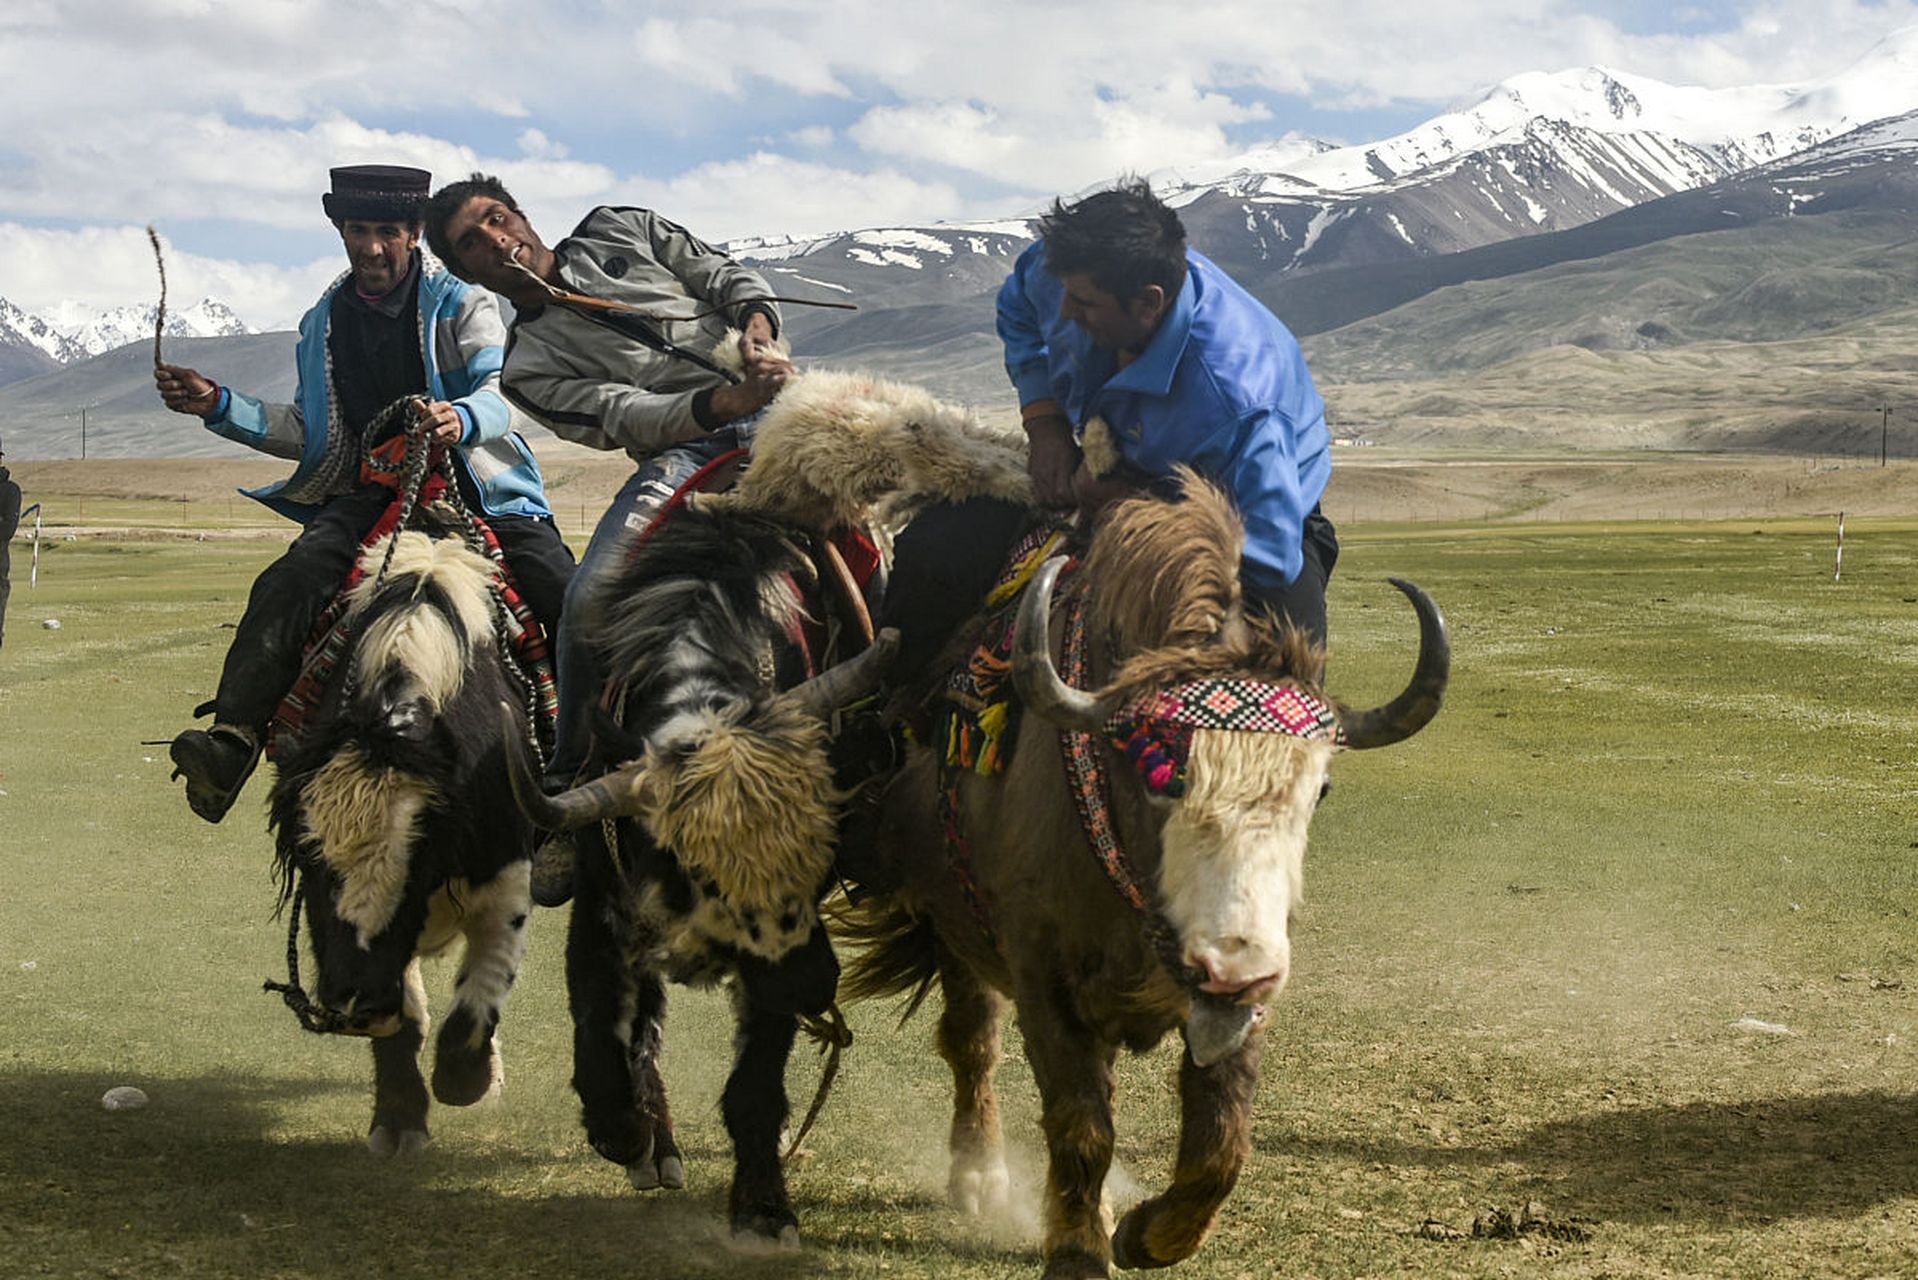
1222, 387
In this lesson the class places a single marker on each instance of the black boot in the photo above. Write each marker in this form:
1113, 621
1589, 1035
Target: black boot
216, 763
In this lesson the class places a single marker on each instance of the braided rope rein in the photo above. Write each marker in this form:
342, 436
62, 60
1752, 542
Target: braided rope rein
316, 1018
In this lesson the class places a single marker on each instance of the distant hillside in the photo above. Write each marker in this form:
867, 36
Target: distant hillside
1771, 311
125, 419
1781, 279
18, 362
1820, 396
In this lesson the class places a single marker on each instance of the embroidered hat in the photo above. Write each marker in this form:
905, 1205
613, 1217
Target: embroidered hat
377, 192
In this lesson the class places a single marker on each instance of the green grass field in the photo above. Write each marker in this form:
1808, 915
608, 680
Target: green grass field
1668, 806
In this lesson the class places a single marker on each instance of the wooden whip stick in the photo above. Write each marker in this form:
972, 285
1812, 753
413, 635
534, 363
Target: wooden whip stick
567, 296
159, 317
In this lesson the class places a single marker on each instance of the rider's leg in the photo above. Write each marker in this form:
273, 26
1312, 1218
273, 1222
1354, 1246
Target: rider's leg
944, 563
590, 594
541, 564
589, 597
263, 659
1302, 601
542, 567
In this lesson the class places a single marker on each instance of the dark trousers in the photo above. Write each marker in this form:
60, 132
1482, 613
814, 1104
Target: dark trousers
1302, 600
289, 595
946, 560
6, 587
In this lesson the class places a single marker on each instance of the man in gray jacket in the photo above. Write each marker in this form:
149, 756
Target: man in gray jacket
642, 377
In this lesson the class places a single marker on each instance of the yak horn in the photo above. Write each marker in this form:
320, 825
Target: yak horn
592, 801
1033, 673
851, 680
1413, 709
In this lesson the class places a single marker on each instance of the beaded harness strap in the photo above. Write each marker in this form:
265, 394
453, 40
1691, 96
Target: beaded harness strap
1155, 733
1092, 797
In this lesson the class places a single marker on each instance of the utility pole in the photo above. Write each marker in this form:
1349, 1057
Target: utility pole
1884, 434
83, 433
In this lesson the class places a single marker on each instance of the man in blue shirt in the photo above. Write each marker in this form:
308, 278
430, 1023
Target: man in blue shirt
1133, 354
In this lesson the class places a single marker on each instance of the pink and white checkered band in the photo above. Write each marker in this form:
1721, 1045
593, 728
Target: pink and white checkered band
1251, 706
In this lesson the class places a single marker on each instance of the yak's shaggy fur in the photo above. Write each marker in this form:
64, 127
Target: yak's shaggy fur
1185, 625
1100, 449
751, 813
421, 640
835, 447
363, 821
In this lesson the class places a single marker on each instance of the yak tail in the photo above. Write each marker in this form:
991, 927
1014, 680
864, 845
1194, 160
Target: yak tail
896, 953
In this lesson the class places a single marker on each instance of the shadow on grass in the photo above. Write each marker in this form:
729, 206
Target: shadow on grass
1823, 1156
207, 1180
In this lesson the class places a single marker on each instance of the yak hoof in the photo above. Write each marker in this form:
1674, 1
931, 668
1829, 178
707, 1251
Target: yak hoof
979, 1189
1129, 1248
766, 1232
650, 1175
463, 1073
386, 1142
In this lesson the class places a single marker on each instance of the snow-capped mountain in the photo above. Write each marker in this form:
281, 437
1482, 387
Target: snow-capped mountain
926, 264
1538, 152
25, 331
93, 331
69, 332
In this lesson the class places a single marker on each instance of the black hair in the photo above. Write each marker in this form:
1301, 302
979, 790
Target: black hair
1125, 238
449, 200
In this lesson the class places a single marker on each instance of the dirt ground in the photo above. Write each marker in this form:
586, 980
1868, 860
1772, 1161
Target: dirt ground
1369, 485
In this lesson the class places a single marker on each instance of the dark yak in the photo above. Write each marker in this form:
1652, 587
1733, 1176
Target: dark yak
722, 826
1213, 824
704, 854
397, 832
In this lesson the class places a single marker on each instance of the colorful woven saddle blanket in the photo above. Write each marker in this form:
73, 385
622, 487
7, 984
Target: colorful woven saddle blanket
976, 717
331, 637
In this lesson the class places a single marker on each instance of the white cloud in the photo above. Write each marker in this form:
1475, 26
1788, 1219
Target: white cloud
113, 266
769, 194
125, 111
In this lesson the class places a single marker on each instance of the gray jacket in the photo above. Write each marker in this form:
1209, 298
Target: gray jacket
602, 379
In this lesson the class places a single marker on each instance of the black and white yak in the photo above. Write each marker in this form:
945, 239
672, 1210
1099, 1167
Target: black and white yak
705, 852
397, 832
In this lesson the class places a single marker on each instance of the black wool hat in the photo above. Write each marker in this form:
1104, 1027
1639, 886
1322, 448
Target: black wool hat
377, 191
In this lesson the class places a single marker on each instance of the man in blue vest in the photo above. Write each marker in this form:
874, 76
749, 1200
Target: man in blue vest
395, 324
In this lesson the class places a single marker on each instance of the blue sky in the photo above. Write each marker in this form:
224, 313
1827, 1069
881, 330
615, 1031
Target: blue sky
217, 121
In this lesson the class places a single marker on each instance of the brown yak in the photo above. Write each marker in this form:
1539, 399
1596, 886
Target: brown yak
1001, 896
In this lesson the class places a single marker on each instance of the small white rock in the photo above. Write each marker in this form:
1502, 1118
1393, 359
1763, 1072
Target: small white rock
1763, 1028
123, 1098
51, 624
28, 966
